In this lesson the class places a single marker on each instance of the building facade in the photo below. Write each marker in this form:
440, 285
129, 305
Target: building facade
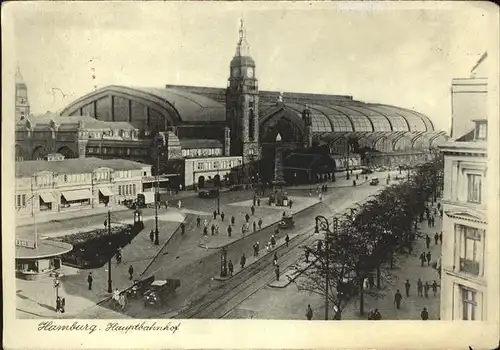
464, 261
58, 184
239, 120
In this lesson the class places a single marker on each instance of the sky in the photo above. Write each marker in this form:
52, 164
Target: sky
375, 52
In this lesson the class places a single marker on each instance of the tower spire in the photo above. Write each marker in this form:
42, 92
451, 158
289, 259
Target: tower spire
242, 48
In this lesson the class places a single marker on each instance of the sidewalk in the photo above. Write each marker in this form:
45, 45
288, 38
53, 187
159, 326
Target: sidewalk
270, 216
411, 269
37, 298
79, 212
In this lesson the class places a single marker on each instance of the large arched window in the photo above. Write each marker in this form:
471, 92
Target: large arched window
251, 125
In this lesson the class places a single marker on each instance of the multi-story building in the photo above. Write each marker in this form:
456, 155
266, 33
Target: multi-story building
464, 261
58, 184
469, 261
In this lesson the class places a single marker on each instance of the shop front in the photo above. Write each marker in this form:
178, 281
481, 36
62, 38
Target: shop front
75, 199
46, 201
40, 260
105, 195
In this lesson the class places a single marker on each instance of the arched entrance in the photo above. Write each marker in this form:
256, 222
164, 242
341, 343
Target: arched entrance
39, 153
201, 182
66, 152
217, 180
20, 155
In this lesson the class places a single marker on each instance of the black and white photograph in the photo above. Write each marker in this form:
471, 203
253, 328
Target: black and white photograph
324, 161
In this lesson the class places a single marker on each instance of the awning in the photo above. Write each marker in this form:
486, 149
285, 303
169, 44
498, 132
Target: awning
106, 191
47, 197
77, 195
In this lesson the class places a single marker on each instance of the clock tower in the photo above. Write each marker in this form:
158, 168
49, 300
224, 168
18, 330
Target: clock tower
242, 103
22, 103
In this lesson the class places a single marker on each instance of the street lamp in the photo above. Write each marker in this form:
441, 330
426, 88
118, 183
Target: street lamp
218, 190
322, 222
223, 262
57, 284
107, 223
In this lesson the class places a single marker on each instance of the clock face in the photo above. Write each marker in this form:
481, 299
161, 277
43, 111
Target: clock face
236, 72
250, 72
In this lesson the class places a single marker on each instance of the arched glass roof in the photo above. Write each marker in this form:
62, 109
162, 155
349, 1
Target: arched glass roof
415, 122
380, 122
339, 120
398, 122
360, 121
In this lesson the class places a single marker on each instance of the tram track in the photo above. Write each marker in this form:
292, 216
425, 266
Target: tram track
246, 283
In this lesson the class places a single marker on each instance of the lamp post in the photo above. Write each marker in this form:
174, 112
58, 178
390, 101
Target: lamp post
57, 284
347, 160
107, 223
325, 226
223, 262
218, 191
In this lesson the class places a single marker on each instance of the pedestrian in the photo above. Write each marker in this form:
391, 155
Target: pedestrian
277, 272
439, 206
376, 315
253, 209
215, 214
371, 282
183, 228
216, 229
243, 260
247, 217
434, 287
258, 202
222, 215
397, 299
284, 213
205, 222
243, 229
441, 237
428, 221
287, 240
407, 288
276, 230
275, 259
254, 226
130, 272
257, 247
90, 279
422, 259
205, 231
63, 305
426, 289
273, 241
309, 312
436, 238
58, 304
232, 220
254, 250
229, 231
179, 204
231, 268
419, 287
306, 253
198, 221
212, 228
427, 241
424, 315
428, 257
180, 187
290, 203
441, 213
260, 223
433, 220
152, 236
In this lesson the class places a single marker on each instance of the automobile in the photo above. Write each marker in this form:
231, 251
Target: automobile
374, 181
365, 171
235, 187
159, 291
139, 287
211, 193
286, 222
400, 177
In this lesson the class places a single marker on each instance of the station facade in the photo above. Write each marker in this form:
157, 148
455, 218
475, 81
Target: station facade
239, 122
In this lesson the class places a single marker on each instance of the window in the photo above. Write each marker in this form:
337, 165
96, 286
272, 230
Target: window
469, 304
120, 190
20, 200
200, 166
473, 188
134, 189
216, 164
470, 249
482, 132
251, 125
65, 178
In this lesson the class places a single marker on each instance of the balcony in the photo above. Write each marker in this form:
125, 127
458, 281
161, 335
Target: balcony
469, 266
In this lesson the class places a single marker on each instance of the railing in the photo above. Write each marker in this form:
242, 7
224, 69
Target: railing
469, 266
